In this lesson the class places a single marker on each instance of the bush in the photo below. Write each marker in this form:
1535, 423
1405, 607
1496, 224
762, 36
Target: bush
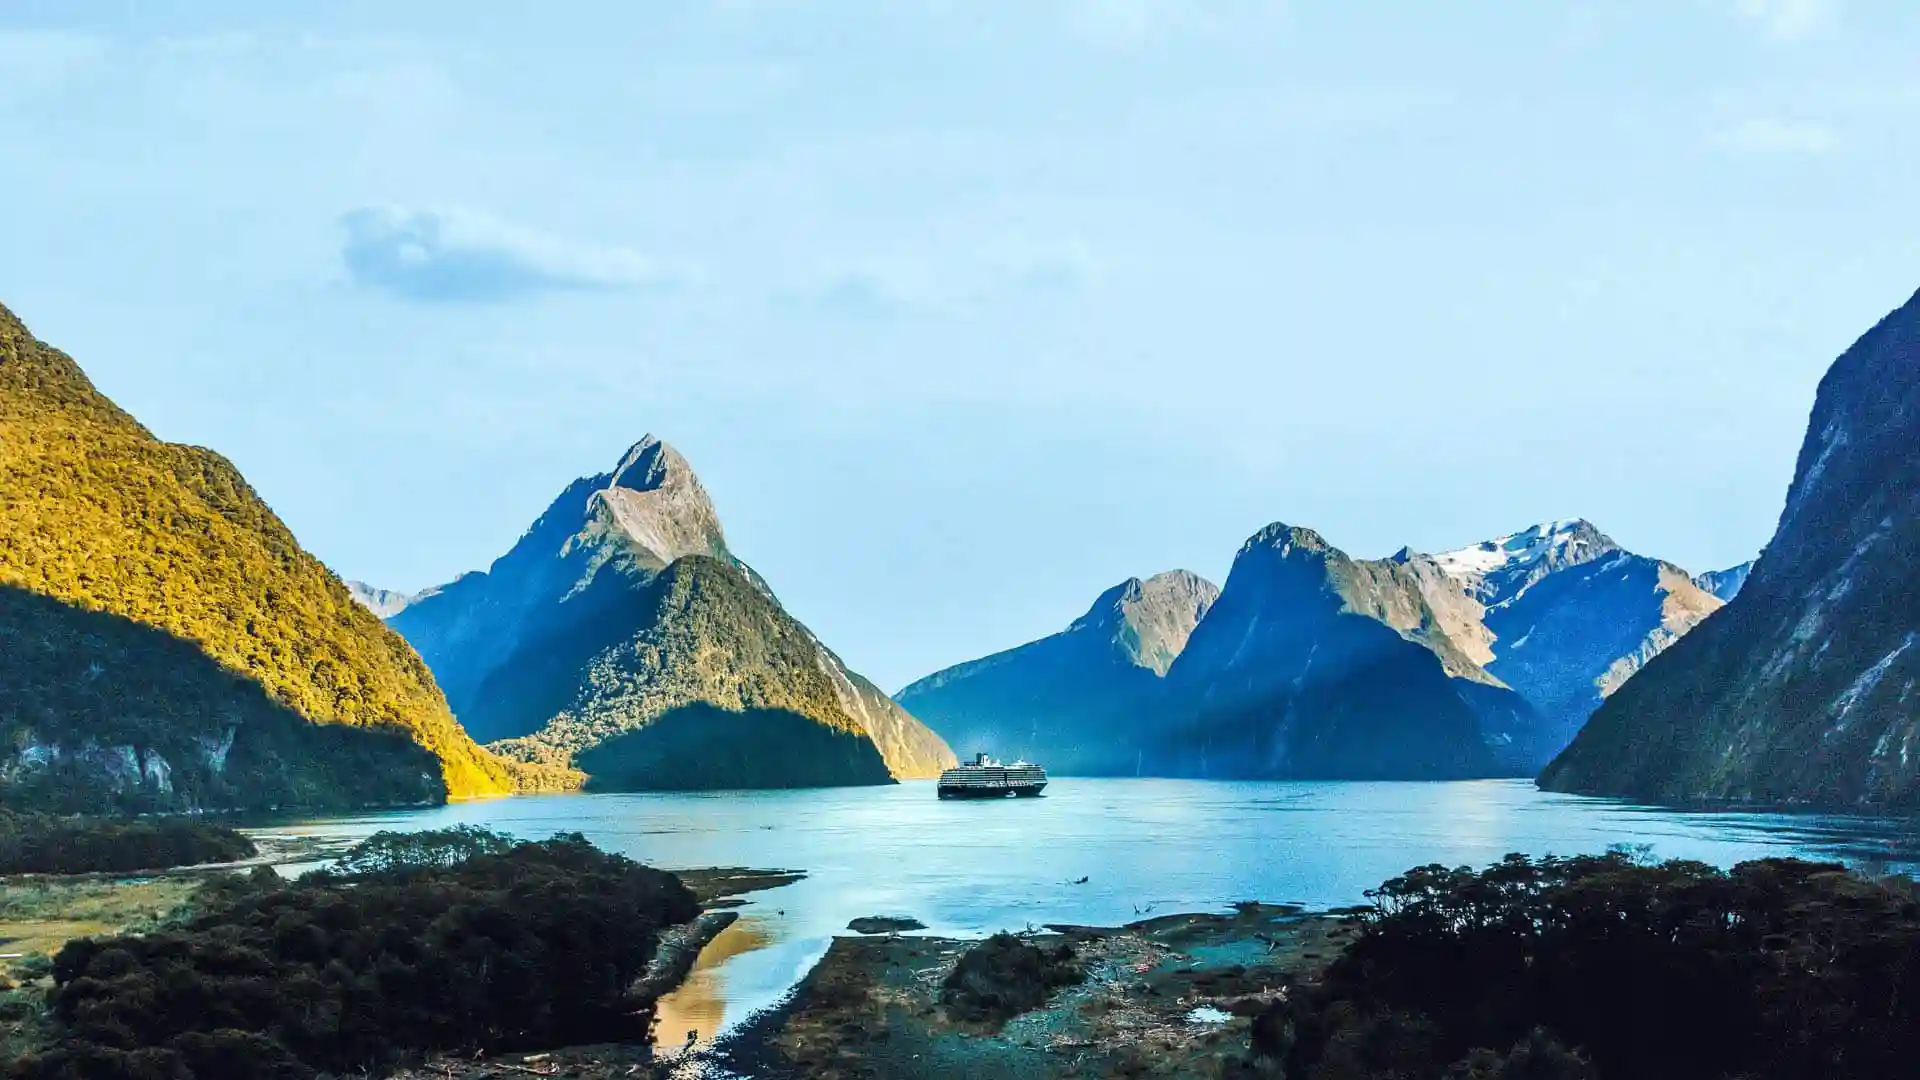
534, 946
1777, 969
1003, 976
388, 852
42, 844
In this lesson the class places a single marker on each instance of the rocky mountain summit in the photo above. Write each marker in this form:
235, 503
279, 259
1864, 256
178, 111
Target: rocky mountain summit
385, 603
1725, 584
1568, 617
621, 635
1072, 699
165, 642
1803, 690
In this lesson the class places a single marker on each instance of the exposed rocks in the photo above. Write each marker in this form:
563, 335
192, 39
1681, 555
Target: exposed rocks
885, 924
1004, 976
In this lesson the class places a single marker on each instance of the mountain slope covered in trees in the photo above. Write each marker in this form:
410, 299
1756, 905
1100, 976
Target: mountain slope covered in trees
1806, 687
170, 644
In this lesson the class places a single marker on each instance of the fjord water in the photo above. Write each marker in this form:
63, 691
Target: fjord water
1142, 846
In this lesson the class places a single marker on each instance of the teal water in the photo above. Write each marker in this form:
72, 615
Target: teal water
1144, 846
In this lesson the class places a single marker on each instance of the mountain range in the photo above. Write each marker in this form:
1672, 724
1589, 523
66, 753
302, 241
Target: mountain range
169, 645
1803, 690
1311, 662
621, 636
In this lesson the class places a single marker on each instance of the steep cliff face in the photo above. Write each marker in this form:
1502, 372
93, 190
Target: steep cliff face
621, 606
1078, 701
201, 623
1803, 689
1299, 671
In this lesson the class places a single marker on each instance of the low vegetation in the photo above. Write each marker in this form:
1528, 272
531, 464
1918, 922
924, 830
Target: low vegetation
1004, 976
1570, 969
516, 945
43, 844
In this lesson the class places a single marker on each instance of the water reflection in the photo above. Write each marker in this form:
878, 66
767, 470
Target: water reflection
699, 1008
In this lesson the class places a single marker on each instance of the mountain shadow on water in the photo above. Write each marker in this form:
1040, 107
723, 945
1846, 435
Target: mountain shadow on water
153, 723
702, 747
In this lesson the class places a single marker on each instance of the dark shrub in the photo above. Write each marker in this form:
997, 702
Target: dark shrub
534, 946
1003, 976
1777, 970
43, 844
1540, 1057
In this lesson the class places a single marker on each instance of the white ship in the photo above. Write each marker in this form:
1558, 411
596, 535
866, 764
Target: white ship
985, 778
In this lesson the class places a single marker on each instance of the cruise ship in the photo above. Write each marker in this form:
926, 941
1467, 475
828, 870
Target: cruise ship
985, 778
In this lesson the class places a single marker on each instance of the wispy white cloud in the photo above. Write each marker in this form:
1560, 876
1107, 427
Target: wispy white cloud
441, 255
1763, 135
1789, 20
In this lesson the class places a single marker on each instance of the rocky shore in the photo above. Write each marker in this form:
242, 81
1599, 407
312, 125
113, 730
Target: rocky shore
1167, 996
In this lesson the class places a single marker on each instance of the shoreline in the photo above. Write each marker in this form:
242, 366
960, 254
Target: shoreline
1170, 994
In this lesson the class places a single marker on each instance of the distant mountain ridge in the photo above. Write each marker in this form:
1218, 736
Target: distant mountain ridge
1806, 688
1071, 699
1725, 584
620, 634
166, 644
1531, 630
1569, 616
1312, 665
386, 603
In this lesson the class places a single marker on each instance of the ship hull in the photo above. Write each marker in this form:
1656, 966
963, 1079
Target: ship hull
991, 791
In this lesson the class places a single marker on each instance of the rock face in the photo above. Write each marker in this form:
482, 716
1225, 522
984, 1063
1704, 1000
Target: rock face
620, 634
1568, 615
1725, 584
165, 643
1803, 690
1311, 665
385, 603
1074, 700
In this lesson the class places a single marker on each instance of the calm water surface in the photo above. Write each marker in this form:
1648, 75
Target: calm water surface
1159, 846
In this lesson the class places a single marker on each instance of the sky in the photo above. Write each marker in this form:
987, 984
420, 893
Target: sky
967, 311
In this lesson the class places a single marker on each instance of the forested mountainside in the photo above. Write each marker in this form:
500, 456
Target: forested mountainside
1803, 689
168, 642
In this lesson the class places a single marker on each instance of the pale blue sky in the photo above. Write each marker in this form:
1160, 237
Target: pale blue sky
965, 311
